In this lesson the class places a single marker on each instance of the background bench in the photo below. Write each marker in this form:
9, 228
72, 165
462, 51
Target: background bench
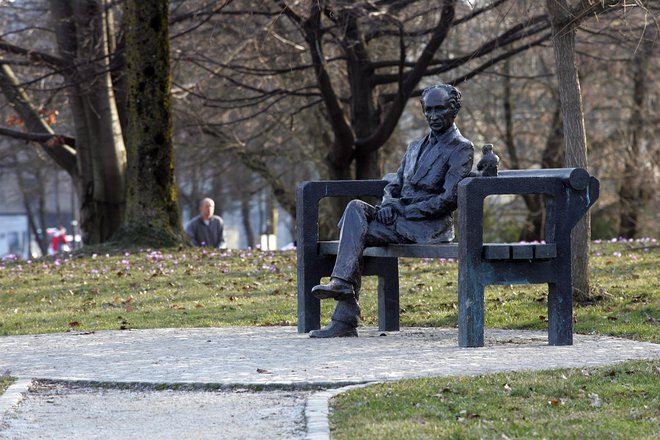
569, 192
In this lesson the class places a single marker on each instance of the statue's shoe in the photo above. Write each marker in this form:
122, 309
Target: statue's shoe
336, 329
336, 289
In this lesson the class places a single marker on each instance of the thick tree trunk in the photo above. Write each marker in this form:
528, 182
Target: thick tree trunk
563, 31
152, 212
631, 192
365, 118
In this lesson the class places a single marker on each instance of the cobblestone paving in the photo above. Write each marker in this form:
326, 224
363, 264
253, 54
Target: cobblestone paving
281, 356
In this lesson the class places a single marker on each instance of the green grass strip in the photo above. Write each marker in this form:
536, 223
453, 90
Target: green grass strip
614, 402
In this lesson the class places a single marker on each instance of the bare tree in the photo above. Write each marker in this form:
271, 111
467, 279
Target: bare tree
575, 136
90, 61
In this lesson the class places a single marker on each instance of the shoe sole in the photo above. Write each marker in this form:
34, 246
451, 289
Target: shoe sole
327, 294
352, 334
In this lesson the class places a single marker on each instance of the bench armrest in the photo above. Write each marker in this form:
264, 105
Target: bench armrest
309, 194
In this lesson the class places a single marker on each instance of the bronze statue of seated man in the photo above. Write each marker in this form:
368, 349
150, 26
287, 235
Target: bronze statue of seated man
417, 206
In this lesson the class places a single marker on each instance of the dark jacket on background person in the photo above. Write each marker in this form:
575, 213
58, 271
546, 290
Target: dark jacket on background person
203, 234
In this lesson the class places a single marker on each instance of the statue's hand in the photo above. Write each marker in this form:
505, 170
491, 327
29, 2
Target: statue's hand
386, 215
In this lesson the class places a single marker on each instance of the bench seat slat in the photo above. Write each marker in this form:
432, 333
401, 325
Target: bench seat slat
398, 250
519, 251
491, 251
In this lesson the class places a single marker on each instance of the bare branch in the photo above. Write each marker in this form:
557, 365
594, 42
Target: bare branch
49, 139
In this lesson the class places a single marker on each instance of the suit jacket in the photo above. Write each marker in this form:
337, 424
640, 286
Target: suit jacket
424, 189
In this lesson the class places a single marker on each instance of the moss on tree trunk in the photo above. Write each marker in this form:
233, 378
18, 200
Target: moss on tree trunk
152, 212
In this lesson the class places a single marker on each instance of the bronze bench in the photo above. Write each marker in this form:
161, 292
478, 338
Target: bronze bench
569, 192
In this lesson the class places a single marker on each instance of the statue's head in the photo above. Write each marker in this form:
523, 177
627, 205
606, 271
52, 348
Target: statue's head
440, 104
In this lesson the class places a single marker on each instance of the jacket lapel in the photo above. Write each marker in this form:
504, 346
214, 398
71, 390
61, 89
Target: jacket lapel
436, 155
413, 153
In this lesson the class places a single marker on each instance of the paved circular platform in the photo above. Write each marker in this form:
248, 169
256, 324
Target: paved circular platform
266, 382
279, 356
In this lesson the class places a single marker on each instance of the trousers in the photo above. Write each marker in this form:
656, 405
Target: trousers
359, 228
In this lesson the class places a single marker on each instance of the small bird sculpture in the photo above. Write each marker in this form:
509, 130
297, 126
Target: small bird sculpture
487, 166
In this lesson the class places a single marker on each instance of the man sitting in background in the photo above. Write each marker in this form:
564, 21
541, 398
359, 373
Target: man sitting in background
206, 229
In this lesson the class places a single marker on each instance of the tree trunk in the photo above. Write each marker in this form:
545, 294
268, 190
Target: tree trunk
364, 116
247, 223
563, 31
152, 212
36, 221
82, 34
63, 155
534, 226
552, 158
631, 199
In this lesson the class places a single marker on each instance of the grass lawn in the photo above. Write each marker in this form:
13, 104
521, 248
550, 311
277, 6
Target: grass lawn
5, 382
202, 288
615, 402
105, 289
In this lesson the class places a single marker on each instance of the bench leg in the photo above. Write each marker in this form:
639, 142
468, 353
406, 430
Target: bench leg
560, 313
388, 295
309, 307
470, 313
310, 272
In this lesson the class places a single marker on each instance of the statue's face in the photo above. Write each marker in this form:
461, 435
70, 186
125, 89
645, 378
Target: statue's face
438, 110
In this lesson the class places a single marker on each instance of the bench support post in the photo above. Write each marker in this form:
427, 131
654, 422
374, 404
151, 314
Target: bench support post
388, 295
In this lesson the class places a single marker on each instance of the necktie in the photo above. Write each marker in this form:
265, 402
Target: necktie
425, 146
